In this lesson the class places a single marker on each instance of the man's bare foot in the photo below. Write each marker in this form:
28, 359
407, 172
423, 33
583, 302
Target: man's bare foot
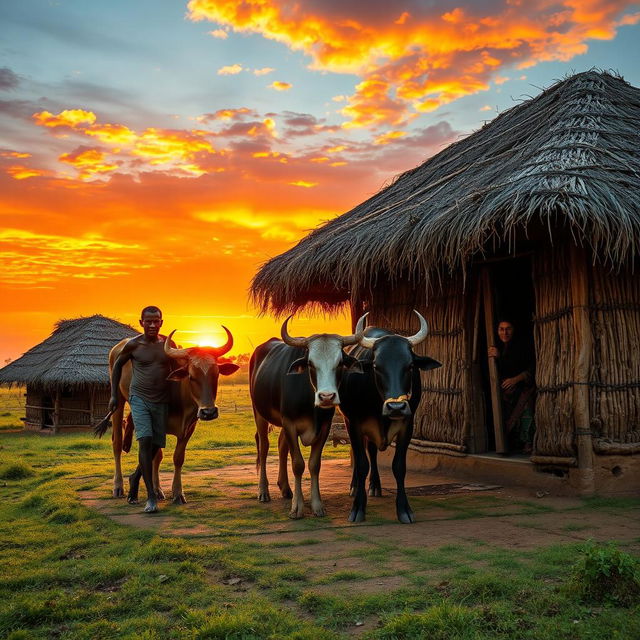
151, 507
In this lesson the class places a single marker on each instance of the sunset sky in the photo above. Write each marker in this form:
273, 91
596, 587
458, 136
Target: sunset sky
159, 151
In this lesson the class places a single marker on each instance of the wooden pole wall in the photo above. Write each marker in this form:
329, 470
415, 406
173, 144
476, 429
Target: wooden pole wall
494, 379
582, 363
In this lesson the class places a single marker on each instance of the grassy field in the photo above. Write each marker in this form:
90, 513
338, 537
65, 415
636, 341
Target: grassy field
11, 408
72, 572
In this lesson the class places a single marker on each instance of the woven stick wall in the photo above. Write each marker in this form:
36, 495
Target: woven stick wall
440, 417
615, 374
553, 334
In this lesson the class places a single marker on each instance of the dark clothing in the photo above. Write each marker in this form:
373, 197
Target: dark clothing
151, 367
514, 358
517, 403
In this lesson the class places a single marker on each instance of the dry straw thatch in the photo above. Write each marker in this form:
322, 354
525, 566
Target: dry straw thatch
568, 158
75, 354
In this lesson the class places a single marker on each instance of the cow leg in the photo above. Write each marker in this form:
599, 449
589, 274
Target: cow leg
354, 479
262, 445
116, 444
297, 466
178, 461
283, 474
375, 488
314, 469
157, 459
399, 466
359, 508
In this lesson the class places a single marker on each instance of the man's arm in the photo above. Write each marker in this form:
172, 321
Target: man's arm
116, 372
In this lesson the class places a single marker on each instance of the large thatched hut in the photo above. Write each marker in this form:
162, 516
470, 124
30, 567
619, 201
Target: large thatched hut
67, 375
535, 216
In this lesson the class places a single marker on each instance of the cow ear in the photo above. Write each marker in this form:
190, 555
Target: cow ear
227, 368
352, 364
298, 366
179, 374
425, 363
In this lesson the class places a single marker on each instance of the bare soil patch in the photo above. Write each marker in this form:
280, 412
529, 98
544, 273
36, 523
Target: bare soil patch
448, 512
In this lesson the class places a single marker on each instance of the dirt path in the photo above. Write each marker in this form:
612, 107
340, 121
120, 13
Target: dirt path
464, 524
448, 511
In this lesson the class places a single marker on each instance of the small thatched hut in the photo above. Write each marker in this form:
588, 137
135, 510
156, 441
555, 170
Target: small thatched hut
535, 216
67, 375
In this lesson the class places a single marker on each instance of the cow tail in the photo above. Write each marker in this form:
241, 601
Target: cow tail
100, 428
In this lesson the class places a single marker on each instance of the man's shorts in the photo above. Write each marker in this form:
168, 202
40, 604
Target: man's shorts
150, 419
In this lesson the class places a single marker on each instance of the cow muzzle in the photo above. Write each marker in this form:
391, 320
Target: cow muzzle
207, 413
396, 407
327, 400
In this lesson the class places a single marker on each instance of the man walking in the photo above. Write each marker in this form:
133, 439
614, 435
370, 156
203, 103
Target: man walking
148, 396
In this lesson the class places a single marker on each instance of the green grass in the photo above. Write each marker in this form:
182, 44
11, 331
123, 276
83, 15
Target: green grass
12, 403
70, 572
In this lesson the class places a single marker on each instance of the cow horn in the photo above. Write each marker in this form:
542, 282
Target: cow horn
225, 348
292, 342
363, 340
171, 351
355, 338
423, 332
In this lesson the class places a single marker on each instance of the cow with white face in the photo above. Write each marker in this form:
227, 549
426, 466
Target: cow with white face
294, 385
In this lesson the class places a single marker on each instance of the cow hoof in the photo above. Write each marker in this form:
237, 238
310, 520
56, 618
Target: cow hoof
352, 491
180, 499
264, 497
118, 492
356, 516
287, 494
150, 507
319, 513
375, 492
295, 515
133, 500
160, 494
406, 517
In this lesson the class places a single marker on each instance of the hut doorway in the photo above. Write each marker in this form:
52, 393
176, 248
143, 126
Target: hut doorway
47, 412
505, 293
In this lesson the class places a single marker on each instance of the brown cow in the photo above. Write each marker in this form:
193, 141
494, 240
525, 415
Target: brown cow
193, 390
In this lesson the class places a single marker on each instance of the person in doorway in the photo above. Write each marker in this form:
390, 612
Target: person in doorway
148, 394
515, 364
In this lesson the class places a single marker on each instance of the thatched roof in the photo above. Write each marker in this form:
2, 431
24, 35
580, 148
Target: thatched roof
76, 353
569, 158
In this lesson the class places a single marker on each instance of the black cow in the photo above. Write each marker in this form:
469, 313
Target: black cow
379, 406
294, 385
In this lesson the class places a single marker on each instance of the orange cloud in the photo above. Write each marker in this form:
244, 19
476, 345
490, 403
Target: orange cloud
33, 257
20, 172
181, 148
227, 114
230, 70
386, 138
424, 58
280, 86
304, 183
88, 162
111, 133
263, 72
14, 154
67, 118
219, 33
